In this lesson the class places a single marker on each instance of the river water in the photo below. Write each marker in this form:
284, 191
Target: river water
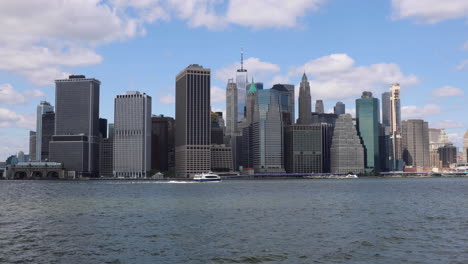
288, 221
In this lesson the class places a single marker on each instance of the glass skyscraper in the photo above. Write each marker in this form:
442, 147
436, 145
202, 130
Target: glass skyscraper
241, 83
42, 108
367, 121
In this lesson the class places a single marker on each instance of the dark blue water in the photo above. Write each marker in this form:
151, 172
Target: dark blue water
297, 221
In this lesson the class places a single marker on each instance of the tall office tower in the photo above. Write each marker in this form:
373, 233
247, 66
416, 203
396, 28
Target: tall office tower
231, 108
217, 130
383, 148
285, 97
106, 152
395, 128
368, 120
247, 130
465, 146
267, 134
259, 85
42, 108
386, 111
75, 143
303, 149
241, 83
327, 137
132, 135
339, 109
305, 103
347, 152
162, 142
32, 145
48, 129
193, 123
415, 143
103, 127
319, 107
447, 155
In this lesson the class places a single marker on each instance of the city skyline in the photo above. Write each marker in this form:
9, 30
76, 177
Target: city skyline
432, 83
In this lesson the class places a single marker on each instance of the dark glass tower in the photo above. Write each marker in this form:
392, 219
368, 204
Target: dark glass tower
367, 122
48, 129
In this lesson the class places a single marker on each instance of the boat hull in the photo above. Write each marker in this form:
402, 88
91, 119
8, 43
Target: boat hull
206, 180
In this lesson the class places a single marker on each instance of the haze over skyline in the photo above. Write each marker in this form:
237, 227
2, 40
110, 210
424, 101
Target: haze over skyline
345, 47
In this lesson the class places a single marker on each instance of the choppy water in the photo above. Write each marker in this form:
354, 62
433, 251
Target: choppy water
297, 221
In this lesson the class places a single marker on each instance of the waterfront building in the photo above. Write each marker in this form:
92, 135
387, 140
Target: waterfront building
221, 158
447, 155
267, 134
327, 138
415, 143
231, 108
193, 123
241, 84
367, 120
42, 108
217, 129
465, 146
434, 159
132, 135
339, 108
102, 127
106, 154
319, 107
32, 145
305, 103
162, 143
384, 149
347, 152
395, 128
20, 156
303, 148
285, 97
75, 143
48, 130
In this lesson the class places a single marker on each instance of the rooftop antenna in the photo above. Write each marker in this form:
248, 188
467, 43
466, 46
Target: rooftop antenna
242, 58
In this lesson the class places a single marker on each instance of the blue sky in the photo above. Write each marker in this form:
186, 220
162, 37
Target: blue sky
344, 46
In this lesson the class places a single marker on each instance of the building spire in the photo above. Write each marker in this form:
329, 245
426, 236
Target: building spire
304, 77
242, 58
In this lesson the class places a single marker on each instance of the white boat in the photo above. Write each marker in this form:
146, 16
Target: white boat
206, 177
351, 176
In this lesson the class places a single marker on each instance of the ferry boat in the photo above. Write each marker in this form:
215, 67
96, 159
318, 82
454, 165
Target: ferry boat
206, 177
351, 176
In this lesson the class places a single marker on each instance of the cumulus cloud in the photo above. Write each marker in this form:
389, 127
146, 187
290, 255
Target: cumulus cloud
167, 99
258, 69
420, 112
336, 76
34, 93
429, 11
9, 118
448, 124
218, 95
448, 91
10, 96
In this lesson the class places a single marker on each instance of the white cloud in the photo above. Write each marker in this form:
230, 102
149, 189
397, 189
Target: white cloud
429, 11
11, 146
269, 13
9, 96
34, 93
448, 124
9, 118
337, 77
259, 70
456, 138
463, 66
218, 95
448, 91
420, 112
167, 99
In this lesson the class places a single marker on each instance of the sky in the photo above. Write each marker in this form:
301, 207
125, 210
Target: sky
344, 46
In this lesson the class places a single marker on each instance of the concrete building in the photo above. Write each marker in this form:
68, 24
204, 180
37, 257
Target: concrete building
106, 153
267, 134
305, 103
319, 107
217, 129
339, 108
162, 143
415, 143
247, 133
447, 155
437, 138
396, 160
132, 135
193, 122
32, 145
319, 118
48, 130
303, 149
347, 152
75, 143
368, 120
221, 158
102, 128
434, 159
231, 108
327, 138
43, 108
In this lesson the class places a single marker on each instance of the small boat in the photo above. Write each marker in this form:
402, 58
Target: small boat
206, 177
351, 176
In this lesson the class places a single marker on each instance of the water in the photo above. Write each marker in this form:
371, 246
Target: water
296, 221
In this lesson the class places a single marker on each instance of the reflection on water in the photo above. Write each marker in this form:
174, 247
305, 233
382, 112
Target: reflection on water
297, 221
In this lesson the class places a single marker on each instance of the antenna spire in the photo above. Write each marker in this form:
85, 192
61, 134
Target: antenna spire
242, 58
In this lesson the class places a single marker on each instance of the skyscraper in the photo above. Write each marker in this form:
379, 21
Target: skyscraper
386, 111
305, 103
106, 154
447, 155
367, 120
347, 152
395, 128
247, 131
415, 143
231, 108
193, 122
47, 131
339, 108
42, 108
75, 143
285, 97
103, 127
267, 134
132, 135
32, 145
303, 148
319, 107
241, 83
162, 142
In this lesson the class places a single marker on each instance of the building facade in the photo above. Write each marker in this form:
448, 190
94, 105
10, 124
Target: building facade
221, 158
368, 120
193, 122
285, 97
415, 143
305, 103
303, 149
32, 145
43, 108
319, 107
48, 130
241, 84
162, 143
395, 128
339, 108
132, 135
76, 136
346, 152
231, 108
447, 155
